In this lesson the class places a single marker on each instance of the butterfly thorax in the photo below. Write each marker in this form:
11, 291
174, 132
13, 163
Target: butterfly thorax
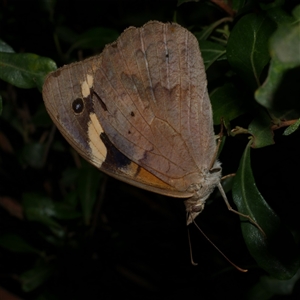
195, 204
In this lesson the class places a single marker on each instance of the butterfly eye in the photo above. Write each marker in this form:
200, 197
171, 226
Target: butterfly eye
215, 170
77, 106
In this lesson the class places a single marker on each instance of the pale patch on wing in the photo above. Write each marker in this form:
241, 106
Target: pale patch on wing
87, 85
85, 90
98, 148
90, 80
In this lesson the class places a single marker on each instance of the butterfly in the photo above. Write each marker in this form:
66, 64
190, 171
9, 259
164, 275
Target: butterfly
140, 112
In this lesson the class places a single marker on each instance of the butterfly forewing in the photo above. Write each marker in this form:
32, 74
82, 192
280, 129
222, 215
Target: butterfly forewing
153, 110
146, 116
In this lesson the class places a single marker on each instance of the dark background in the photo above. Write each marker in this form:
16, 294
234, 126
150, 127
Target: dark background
136, 245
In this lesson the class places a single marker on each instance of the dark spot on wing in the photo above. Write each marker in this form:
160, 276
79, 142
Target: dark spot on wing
78, 106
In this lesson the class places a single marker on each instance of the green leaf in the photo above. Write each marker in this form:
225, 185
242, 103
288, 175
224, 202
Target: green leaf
211, 52
43, 209
5, 47
285, 45
33, 154
40, 209
268, 287
296, 13
207, 30
292, 128
247, 48
279, 16
265, 95
238, 4
95, 38
88, 185
276, 253
25, 70
17, 244
66, 34
36, 276
273, 4
65, 211
227, 103
280, 92
260, 128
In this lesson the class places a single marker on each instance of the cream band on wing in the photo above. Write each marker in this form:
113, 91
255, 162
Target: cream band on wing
98, 148
87, 85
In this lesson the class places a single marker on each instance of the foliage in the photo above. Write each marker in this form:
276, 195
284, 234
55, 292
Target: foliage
68, 231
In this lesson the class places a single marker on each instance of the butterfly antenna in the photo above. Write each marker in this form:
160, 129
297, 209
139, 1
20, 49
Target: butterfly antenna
234, 265
237, 212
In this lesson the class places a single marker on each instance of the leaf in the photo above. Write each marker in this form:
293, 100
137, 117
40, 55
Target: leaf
36, 276
280, 92
17, 244
211, 52
281, 262
284, 45
260, 128
5, 47
292, 128
40, 209
269, 5
296, 13
95, 38
33, 154
65, 211
268, 287
43, 209
227, 103
88, 185
25, 70
66, 34
207, 30
237, 4
247, 48
279, 16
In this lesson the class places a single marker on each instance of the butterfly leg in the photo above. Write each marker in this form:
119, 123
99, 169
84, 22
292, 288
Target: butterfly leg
219, 138
237, 212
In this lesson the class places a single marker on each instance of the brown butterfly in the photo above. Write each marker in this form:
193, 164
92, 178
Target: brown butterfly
141, 113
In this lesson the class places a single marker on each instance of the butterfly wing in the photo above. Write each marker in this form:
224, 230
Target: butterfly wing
143, 114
